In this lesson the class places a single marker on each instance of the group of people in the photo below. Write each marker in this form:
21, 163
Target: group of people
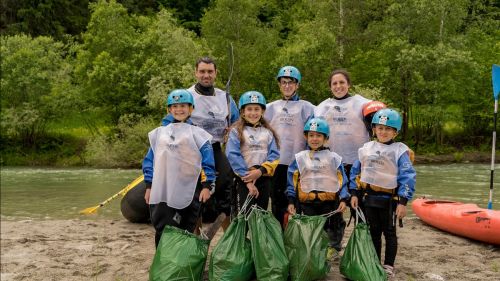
303, 158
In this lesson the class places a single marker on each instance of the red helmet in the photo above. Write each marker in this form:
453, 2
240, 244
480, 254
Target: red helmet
372, 107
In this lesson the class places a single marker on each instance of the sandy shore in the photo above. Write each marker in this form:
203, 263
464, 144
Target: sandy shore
119, 250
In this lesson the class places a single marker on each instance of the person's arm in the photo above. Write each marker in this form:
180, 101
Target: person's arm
406, 179
273, 159
235, 113
353, 185
147, 171
208, 172
234, 156
292, 182
406, 183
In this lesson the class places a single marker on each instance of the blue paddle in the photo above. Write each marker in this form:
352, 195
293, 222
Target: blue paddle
495, 78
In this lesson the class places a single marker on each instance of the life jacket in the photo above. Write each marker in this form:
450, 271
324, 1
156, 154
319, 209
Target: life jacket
320, 178
288, 118
347, 129
370, 188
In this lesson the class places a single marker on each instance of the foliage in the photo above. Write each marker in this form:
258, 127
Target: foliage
111, 63
47, 17
255, 44
32, 72
121, 53
125, 148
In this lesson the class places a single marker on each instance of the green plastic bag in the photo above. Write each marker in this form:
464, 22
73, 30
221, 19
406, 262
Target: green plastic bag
231, 259
306, 244
360, 261
180, 256
268, 250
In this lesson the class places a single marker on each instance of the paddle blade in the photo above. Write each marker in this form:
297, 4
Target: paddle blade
89, 210
495, 78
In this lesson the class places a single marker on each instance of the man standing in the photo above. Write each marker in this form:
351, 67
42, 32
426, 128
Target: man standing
287, 116
214, 111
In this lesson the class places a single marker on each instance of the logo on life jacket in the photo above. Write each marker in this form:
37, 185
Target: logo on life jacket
211, 114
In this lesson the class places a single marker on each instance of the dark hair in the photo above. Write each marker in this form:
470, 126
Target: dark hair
207, 60
340, 71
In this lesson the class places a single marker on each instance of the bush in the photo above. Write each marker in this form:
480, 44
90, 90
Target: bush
125, 147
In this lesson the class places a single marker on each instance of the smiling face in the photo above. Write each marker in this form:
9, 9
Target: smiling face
339, 85
315, 140
288, 86
180, 111
384, 133
252, 113
205, 74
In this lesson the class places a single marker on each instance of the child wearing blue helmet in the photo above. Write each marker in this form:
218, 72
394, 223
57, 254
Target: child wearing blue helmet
384, 179
287, 116
317, 183
183, 172
252, 151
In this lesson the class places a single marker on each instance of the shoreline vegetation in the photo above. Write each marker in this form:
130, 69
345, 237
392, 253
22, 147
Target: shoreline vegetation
76, 160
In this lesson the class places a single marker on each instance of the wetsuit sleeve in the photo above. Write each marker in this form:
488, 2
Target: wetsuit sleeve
233, 154
406, 179
292, 181
273, 155
344, 193
235, 113
355, 171
207, 163
147, 167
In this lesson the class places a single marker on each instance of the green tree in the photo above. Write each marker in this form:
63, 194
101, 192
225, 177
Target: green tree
33, 70
46, 17
255, 44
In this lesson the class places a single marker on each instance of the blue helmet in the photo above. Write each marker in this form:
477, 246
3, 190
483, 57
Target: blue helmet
388, 117
180, 96
252, 97
289, 71
317, 125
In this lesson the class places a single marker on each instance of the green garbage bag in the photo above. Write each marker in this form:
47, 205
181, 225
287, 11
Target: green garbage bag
268, 250
360, 261
231, 259
180, 256
306, 245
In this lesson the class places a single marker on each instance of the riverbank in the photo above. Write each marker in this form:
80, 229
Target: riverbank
119, 250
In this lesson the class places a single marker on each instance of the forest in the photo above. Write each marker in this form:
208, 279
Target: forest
82, 82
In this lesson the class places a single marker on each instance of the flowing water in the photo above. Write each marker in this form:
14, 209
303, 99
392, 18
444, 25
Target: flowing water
47, 193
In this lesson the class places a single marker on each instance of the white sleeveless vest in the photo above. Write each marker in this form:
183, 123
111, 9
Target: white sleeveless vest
379, 163
288, 119
318, 171
255, 148
177, 163
210, 113
347, 130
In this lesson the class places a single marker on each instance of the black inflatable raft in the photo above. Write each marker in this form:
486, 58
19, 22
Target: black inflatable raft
133, 205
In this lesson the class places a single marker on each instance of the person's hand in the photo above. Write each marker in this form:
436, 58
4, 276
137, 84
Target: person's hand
204, 195
354, 202
291, 209
342, 207
401, 211
252, 189
252, 176
147, 195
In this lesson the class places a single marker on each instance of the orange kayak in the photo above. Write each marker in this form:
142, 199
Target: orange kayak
466, 220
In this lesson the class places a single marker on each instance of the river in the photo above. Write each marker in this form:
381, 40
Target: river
50, 193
